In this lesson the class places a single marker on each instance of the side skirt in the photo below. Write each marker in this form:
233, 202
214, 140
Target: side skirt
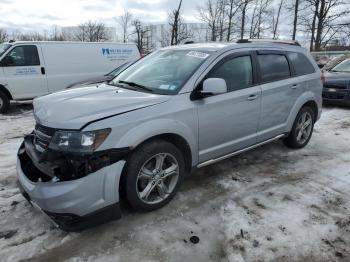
214, 160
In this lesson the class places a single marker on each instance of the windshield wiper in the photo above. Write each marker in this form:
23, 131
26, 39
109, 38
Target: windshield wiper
136, 85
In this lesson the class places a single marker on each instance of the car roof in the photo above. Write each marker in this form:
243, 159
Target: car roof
224, 46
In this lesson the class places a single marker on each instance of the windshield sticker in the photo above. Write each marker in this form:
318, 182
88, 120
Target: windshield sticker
166, 87
198, 54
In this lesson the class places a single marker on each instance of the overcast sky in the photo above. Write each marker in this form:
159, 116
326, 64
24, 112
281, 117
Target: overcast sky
32, 15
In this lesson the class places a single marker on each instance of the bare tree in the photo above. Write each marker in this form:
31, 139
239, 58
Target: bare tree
142, 33
124, 21
295, 20
178, 30
275, 20
326, 21
243, 8
209, 14
174, 23
91, 31
56, 34
232, 8
261, 14
3, 35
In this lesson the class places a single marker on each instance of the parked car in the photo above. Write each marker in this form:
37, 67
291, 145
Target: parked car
32, 69
336, 87
178, 109
100, 79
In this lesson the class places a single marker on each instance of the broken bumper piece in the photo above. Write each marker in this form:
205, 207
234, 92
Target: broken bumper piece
73, 204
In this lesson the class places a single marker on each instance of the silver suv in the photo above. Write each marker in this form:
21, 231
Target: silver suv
137, 137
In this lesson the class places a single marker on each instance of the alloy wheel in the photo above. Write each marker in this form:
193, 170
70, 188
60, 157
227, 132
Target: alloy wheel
304, 127
157, 178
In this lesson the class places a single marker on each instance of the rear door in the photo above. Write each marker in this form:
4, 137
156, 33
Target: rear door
279, 92
229, 122
24, 72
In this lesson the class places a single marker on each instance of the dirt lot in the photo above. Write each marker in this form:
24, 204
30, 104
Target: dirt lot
269, 204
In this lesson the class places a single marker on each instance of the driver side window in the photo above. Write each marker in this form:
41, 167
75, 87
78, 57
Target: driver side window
26, 55
237, 72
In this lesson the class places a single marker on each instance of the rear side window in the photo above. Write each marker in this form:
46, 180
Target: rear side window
237, 73
301, 65
273, 67
26, 55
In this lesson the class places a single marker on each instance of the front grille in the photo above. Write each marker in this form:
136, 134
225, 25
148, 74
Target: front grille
42, 137
334, 95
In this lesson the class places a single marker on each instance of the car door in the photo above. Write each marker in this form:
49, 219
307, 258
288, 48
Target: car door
229, 121
279, 93
24, 72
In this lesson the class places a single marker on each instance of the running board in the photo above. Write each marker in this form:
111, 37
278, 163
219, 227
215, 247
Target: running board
212, 161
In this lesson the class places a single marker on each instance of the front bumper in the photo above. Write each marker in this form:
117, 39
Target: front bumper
334, 95
74, 204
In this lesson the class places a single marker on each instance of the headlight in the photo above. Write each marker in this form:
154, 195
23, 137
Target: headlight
75, 141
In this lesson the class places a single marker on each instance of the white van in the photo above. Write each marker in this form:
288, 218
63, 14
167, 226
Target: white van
31, 69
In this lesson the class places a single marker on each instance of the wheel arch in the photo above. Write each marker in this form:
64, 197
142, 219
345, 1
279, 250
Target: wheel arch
177, 141
176, 132
307, 99
6, 92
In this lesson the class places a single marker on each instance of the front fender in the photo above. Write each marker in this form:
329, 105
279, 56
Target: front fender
147, 130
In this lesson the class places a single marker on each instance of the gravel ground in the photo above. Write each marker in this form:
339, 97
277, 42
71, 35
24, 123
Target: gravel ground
269, 204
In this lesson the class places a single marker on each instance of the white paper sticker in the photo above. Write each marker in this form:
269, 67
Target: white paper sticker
166, 87
198, 54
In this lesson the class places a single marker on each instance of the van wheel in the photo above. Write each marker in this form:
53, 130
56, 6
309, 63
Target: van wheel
4, 103
302, 129
154, 173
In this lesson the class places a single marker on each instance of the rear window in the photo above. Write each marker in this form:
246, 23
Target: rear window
273, 67
301, 65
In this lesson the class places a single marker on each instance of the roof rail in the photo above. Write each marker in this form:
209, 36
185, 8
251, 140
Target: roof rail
286, 42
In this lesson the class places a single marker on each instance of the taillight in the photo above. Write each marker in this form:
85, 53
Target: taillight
323, 79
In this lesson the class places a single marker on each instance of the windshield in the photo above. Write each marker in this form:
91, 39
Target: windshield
342, 67
120, 68
3, 48
162, 72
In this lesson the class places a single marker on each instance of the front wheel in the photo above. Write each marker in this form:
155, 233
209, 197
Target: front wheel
302, 128
4, 103
153, 175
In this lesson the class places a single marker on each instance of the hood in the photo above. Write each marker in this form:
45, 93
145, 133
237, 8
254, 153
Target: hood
74, 108
90, 81
337, 77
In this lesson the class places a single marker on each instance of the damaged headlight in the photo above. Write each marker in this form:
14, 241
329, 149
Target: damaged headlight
76, 141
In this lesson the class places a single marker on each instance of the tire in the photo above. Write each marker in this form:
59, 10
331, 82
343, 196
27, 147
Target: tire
4, 103
144, 180
295, 139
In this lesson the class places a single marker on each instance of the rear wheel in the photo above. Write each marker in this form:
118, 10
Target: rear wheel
4, 102
153, 175
301, 132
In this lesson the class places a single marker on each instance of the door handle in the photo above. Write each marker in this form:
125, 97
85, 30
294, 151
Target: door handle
252, 97
43, 70
294, 86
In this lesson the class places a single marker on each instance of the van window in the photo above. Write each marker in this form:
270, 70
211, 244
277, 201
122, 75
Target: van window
25, 55
301, 64
273, 67
237, 73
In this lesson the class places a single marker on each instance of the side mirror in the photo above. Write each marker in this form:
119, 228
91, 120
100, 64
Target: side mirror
214, 86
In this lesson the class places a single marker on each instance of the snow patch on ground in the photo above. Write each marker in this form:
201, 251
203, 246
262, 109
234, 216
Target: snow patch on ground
269, 204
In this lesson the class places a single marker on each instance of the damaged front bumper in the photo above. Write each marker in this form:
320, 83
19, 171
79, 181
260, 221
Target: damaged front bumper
59, 187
